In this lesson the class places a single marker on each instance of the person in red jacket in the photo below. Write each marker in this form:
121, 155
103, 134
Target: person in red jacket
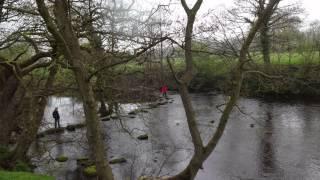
164, 90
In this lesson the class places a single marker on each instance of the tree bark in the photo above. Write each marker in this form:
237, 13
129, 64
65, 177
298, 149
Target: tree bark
32, 117
10, 107
265, 43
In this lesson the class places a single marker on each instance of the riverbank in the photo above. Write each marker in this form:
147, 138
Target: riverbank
286, 82
293, 79
9, 175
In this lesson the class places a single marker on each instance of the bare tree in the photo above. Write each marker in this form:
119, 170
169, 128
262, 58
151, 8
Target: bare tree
282, 16
201, 151
68, 43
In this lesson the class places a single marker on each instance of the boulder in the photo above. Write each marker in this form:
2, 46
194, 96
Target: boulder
73, 127
62, 159
133, 112
70, 128
84, 162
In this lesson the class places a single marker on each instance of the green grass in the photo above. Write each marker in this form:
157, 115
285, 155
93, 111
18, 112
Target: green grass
5, 175
293, 58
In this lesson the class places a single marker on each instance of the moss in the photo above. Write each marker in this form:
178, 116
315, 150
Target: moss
5, 175
90, 171
22, 166
62, 159
4, 153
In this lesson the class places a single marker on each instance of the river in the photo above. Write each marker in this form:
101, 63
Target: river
263, 140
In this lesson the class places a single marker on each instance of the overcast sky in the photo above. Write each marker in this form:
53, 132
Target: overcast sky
312, 7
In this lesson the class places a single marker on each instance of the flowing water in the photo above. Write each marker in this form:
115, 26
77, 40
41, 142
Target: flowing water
263, 140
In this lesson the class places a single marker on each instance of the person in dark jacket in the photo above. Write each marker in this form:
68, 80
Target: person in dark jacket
56, 117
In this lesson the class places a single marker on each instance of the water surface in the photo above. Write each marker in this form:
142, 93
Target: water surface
263, 140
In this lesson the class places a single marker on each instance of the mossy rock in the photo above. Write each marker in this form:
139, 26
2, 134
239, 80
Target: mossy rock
85, 162
143, 137
62, 159
90, 171
118, 161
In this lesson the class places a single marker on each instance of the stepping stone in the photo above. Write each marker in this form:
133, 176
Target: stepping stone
117, 161
143, 137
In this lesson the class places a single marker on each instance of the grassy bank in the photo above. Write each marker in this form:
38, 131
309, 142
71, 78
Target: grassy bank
299, 75
299, 72
6, 175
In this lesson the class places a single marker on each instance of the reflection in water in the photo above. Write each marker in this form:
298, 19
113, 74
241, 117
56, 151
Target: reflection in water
59, 146
267, 155
283, 144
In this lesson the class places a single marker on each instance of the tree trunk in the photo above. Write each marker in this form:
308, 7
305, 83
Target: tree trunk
32, 117
10, 108
265, 43
201, 153
69, 45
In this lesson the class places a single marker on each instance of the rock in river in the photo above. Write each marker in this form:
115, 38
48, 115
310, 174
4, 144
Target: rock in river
143, 137
117, 161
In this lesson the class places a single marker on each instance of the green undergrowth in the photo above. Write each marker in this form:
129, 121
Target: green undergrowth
8, 175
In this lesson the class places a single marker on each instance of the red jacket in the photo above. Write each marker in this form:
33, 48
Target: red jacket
164, 89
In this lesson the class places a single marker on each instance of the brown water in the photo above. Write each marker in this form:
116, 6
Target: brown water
283, 144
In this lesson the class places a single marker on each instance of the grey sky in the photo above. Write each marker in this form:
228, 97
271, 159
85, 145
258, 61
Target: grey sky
311, 6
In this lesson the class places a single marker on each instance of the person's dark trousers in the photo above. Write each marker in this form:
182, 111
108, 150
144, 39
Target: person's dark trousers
57, 123
165, 95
